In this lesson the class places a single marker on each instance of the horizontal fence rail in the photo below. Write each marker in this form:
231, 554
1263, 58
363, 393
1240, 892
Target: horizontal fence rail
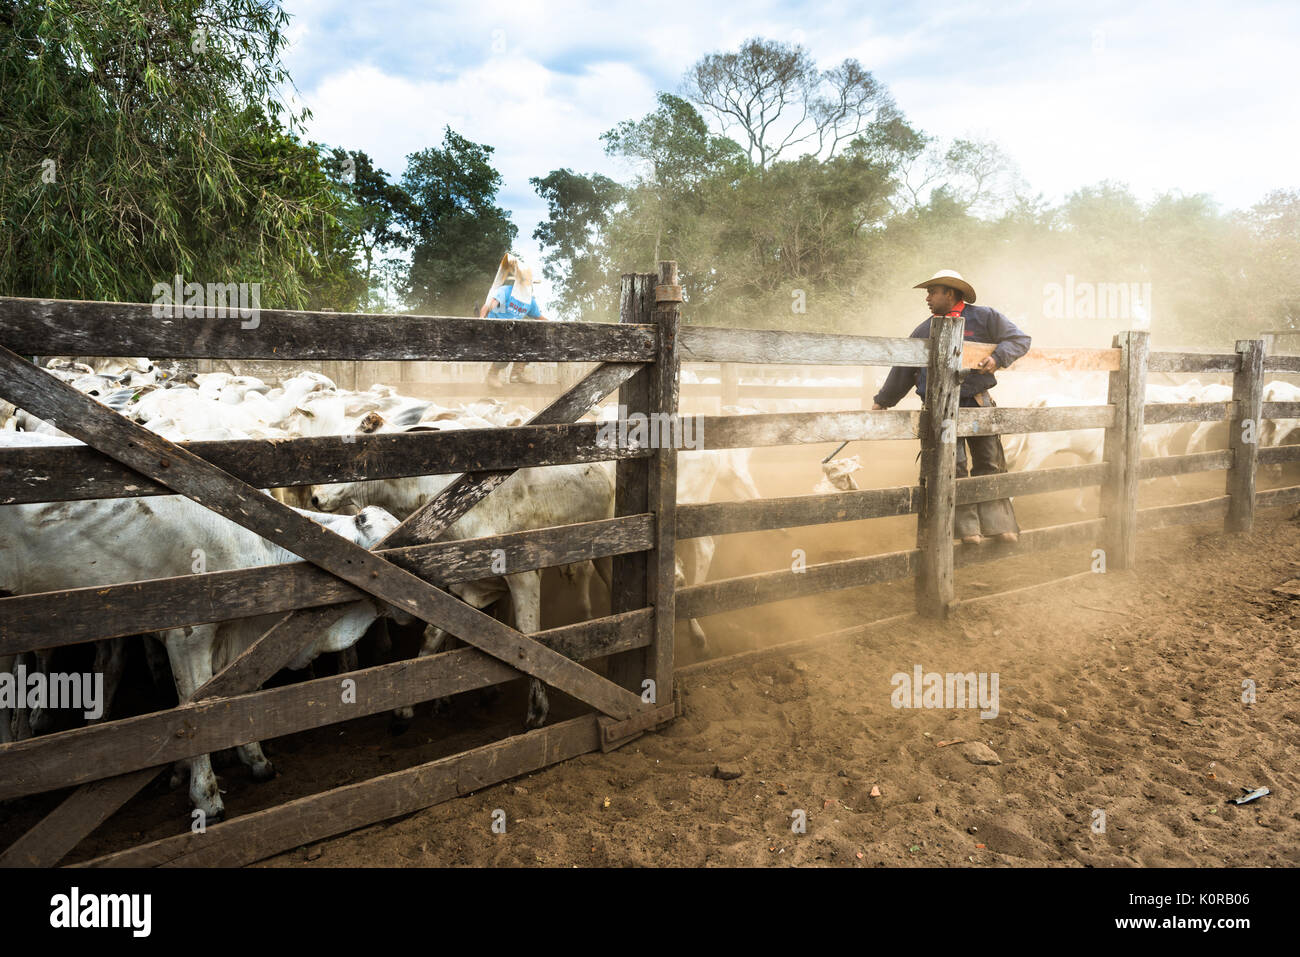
67, 327
60, 473
709, 344
53, 619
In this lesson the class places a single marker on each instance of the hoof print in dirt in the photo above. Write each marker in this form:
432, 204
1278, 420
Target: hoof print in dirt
977, 753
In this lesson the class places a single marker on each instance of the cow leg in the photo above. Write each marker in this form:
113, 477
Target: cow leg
526, 600
703, 548
583, 577
22, 716
348, 660
110, 661
40, 720
190, 652
434, 639
252, 757
6, 713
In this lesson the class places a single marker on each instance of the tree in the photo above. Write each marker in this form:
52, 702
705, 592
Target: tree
376, 208
144, 140
776, 97
578, 266
459, 232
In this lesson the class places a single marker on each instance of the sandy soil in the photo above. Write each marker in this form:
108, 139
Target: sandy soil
1118, 692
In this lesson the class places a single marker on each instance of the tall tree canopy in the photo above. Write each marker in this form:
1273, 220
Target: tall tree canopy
145, 139
459, 231
778, 102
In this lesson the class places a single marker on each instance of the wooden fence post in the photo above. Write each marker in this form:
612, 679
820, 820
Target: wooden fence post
1123, 448
934, 585
631, 573
661, 573
1248, 394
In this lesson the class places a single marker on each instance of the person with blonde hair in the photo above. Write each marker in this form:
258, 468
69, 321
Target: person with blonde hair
511, 297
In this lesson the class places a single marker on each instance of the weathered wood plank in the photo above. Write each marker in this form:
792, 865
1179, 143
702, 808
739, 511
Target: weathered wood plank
1183, 464
730, 594
713, 344
69, 327
53, 619
986, 488
1275, 497
1123, 449
724, 518
1282, 363
1008, 421
1192, 362
940, 426
1279, 454
82, 755
1279, 410
59, 473
662, 487
80, 813
1189, 513
1158, 413
630, 577
802, 428
1045, 360
1248, 397
1083, 535
252, 837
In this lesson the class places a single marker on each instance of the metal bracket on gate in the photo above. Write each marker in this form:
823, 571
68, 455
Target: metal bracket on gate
615, 734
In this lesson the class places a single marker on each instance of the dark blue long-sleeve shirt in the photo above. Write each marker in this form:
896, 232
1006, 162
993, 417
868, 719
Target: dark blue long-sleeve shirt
983, 324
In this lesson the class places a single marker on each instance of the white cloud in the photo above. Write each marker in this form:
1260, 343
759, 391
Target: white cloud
1161, 95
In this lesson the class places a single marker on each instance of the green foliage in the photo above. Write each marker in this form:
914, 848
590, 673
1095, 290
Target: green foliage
579, 269
458, 231
758, 232
145, 139
374, 208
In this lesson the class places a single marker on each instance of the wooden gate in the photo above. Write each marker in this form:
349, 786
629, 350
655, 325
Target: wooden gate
110, 762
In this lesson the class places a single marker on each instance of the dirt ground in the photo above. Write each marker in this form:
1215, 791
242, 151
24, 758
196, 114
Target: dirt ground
1118, 693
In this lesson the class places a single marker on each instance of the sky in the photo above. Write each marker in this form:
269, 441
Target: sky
1196, 97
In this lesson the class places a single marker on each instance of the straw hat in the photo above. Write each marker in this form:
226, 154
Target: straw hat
950, 277
512, 270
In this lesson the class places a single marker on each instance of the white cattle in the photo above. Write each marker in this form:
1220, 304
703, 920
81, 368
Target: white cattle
699, 474
1277, 431
54, 546
531, 498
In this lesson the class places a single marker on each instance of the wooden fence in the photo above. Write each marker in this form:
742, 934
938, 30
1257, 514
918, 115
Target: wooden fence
640, 357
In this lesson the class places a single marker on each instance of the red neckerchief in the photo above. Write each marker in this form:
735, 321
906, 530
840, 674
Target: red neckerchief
956, 310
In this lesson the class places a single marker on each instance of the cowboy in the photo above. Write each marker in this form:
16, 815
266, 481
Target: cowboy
511, 297
948, 294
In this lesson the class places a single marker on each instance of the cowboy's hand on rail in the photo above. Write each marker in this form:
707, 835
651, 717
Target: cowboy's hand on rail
877, 407
988, 364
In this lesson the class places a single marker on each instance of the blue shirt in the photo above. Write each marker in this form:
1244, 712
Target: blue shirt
982, 325
508, 307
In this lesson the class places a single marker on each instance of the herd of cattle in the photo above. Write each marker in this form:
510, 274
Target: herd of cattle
61, 545
55, 546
